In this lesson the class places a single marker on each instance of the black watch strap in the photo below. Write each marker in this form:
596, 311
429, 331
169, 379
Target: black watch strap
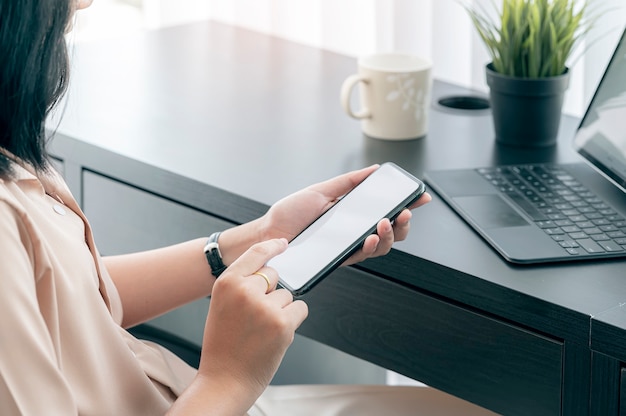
213, 255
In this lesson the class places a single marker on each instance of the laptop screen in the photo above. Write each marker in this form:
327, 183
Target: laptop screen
601, 136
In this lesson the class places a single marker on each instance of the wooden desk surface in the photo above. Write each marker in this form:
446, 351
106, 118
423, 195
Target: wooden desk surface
260, 117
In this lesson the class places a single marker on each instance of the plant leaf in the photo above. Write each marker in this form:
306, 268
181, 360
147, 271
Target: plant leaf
532, 38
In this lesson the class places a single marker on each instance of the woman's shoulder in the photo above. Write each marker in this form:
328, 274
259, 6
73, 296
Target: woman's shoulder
13, 204
19, 192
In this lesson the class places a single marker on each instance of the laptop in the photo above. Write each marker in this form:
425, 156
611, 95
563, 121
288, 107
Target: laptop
539, 213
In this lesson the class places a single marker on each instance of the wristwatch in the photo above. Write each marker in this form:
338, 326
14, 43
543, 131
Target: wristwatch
213, 255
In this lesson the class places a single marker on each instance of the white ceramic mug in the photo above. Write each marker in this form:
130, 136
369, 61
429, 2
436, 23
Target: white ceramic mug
395, 95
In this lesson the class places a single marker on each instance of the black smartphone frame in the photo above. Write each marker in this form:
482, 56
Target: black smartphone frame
351, 248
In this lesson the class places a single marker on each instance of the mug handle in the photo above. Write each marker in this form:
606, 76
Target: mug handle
346, 92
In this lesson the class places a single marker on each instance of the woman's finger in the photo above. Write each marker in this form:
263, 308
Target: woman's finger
422, 200
266, 278
342, 184
402, 225
385, 232
255, 258
296, 312
281, 297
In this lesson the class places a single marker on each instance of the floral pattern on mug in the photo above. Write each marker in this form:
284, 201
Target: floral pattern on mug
406, 90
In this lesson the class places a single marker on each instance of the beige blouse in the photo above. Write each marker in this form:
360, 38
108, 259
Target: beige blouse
62, 350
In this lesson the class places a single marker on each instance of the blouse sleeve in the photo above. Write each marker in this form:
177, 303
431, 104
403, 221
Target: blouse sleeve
31, 382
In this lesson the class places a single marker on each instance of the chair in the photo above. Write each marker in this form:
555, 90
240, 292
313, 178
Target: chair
186, 350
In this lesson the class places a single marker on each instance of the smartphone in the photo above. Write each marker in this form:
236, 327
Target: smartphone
341, 230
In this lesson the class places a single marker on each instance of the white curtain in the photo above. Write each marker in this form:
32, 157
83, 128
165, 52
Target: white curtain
437, 29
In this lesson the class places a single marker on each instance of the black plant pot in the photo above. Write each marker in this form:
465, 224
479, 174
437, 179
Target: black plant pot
526, 111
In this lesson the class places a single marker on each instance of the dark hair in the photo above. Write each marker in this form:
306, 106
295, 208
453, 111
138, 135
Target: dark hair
34, 67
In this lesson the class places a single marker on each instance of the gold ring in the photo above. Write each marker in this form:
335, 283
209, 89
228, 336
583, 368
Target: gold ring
267, 280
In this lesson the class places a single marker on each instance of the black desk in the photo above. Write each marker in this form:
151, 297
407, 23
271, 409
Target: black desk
217, 123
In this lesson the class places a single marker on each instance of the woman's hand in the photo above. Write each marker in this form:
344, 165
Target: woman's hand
250, 325
289, 216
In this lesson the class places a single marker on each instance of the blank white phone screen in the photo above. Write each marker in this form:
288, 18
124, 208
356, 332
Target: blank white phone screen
344, 224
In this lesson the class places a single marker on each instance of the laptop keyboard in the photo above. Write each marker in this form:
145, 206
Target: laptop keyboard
575, 218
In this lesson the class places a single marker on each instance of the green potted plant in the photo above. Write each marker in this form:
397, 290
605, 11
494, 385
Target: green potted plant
530, 43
